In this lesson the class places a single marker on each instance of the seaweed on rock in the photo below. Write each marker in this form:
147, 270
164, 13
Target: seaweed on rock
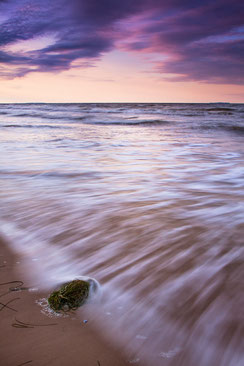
70, 296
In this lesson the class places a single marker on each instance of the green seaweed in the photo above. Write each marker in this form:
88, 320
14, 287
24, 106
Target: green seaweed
70, 296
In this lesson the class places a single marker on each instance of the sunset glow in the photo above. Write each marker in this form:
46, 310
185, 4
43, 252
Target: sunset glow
110, 51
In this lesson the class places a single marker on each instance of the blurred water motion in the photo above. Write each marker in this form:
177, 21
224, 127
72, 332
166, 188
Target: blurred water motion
147, 199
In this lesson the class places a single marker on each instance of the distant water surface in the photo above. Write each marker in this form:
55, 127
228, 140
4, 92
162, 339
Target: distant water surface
147, 199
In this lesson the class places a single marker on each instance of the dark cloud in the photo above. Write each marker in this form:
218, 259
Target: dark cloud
202, 43
201, 39
215, 63
73, 38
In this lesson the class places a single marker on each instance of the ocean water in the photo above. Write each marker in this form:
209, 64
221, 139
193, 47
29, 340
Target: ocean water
148, 199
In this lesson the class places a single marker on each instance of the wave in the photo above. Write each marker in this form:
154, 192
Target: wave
47, 174
236, 128
36, 115
51, 117
80, 118
131, 122
233, 128
201, 108
33, 126
220, 109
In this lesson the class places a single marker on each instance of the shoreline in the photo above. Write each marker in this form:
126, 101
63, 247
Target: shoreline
33, 338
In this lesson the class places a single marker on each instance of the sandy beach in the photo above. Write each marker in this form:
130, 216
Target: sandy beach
30, 337
146, 201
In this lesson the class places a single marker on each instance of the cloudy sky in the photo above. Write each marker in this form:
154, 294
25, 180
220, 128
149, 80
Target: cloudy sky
126, 50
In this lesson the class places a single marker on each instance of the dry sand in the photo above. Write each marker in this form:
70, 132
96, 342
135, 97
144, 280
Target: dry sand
27, 336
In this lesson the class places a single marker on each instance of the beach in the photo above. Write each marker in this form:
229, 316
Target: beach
121, 183
144, 199
30, 337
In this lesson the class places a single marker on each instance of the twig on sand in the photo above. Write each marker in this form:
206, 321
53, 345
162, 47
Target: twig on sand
16, 288
6, 305
25, 363
19, 324
10, 282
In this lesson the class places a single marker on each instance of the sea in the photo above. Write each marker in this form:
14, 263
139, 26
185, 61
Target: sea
148, 200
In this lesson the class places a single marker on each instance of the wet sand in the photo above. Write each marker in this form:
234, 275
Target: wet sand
29, 337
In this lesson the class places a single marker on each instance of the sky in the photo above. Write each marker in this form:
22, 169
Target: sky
121, 51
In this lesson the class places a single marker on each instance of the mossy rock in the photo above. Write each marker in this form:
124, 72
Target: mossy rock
70, 296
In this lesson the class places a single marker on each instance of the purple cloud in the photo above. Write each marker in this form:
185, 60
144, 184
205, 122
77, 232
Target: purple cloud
198, 40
